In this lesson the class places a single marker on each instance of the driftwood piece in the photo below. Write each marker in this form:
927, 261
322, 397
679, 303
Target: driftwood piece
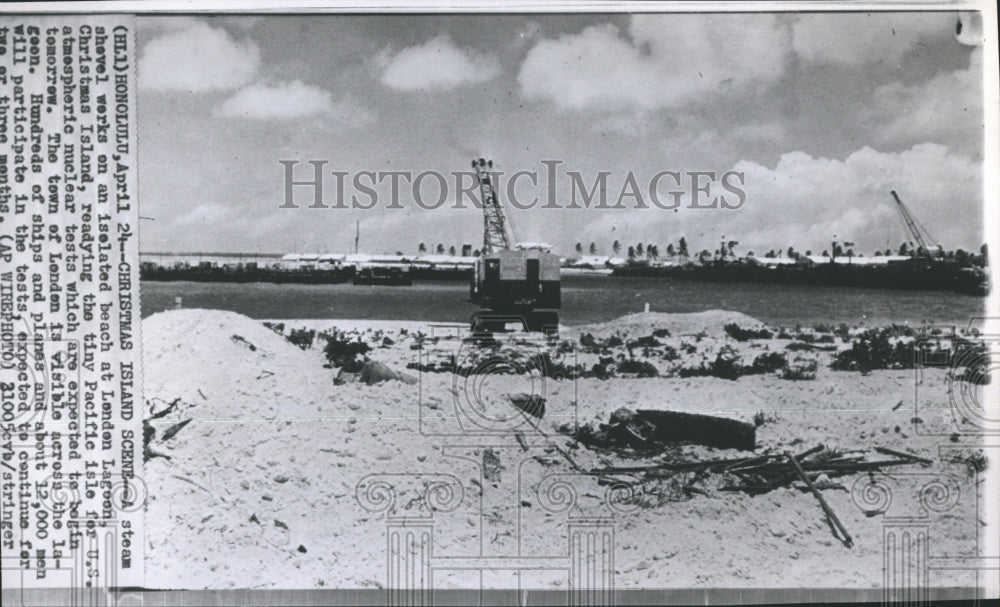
916, 458
834, 521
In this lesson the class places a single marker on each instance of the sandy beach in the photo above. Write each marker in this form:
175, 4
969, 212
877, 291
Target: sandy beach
257, 454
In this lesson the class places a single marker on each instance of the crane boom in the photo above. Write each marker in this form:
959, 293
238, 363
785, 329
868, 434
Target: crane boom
913, 225
494, 225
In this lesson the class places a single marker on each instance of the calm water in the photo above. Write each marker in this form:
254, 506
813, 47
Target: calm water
586, 299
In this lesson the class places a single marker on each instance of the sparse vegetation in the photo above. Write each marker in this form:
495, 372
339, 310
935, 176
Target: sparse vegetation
303, 338
277, 327
761, 418
875, 349
648, 341
800, 369
345, 353
768, 363
740, 334
642, 368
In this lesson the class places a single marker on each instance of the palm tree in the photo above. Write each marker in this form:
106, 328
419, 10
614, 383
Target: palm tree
639, 251
579, 249
616, 247
452, 251
593, 248
682, 247
422, 248
791, 252
670, 249
631, 252
440, 249
654, 252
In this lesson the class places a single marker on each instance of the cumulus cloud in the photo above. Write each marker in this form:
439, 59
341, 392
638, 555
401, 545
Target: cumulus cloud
288, 100
436, 64
819, 197
195, 57
856, 38
804, 200
947, 108
668, 59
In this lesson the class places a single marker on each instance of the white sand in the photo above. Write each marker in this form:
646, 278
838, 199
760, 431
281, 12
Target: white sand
272, 459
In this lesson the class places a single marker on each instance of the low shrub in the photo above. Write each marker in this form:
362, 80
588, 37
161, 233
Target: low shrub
648, 341
873, 350
768, 363
642, 368
347, 354
740, 334
277, 327
303, 338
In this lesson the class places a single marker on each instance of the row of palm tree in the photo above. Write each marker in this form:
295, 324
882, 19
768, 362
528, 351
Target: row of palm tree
440, 249
652, 252
639, 251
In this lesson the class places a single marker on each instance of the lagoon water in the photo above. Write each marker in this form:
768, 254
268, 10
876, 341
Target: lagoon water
586, 299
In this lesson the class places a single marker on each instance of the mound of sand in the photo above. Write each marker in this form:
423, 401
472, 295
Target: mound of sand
223, 365
711, 322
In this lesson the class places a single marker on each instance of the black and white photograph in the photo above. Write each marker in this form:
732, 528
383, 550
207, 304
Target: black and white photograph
530, 304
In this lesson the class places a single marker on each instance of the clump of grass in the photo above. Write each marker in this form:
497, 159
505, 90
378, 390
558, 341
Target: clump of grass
762, 418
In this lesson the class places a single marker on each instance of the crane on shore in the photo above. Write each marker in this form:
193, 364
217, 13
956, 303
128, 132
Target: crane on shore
916, 230
514, 284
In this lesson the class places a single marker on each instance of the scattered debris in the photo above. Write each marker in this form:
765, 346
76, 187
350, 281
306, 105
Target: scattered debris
373, 372
888, 451
241, 340
761, 473
172, 431
491, 466
532, 404
831, 517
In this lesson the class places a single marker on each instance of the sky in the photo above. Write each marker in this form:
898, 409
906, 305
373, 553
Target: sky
822, 115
